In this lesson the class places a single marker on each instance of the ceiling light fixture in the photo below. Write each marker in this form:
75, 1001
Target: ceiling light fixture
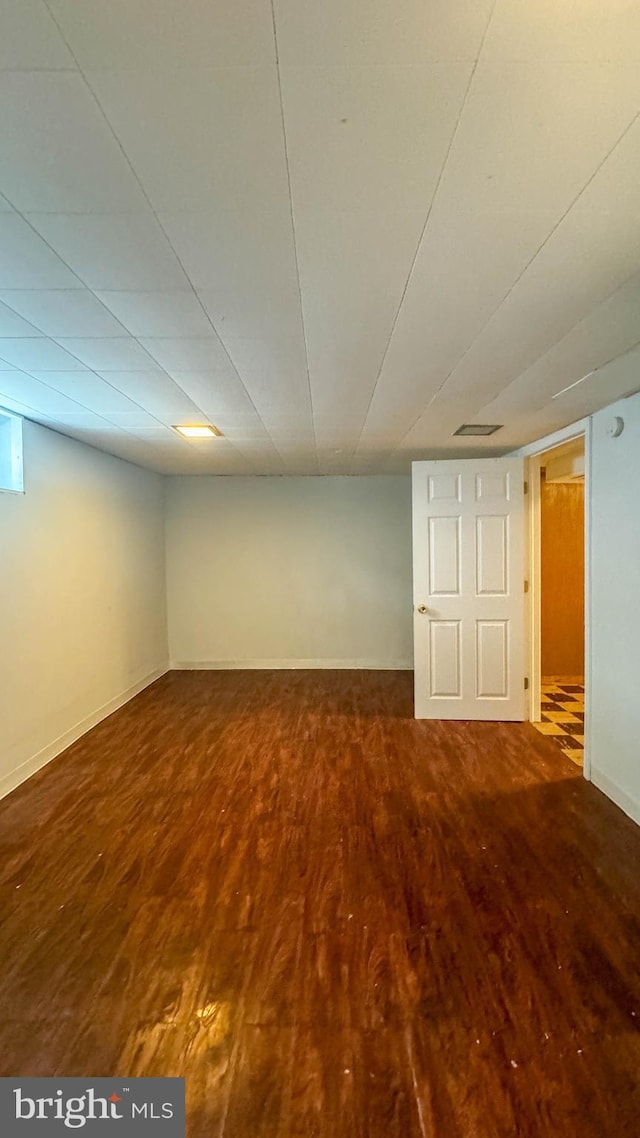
572, 385
478, 428
197, 430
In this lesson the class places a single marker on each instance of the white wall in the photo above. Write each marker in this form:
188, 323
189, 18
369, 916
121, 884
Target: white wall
615, 606
289, 571
272, 571
82, 596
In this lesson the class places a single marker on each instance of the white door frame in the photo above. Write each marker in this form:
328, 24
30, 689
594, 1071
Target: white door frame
533, 453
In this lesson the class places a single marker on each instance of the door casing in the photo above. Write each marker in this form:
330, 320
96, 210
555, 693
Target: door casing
534, 454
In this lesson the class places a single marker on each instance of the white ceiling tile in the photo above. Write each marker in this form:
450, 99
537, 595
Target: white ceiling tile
26, 260
586, 260
466, 265
210, 244
19, 408
288, 423
40, 354
154, 390
158, 313
109, 354
63, 312
165, 418
284, 355
270, 311
170, 443
132, 420
537, 425
532, 133
56, 151
243, 266
490, 322
590, 30
85, 421
262, 457
614, 186
293, 440
164, 439
203, 353
370, 137
30, 39
611, 330
353, 271
405, 31
330, 463
36, 394
113, 251
13, 325
268, 390
241, 435
216, 392
222, 129
89, 389
154, 33
302, 466
619, 380
273, 372
245, 421
335, 440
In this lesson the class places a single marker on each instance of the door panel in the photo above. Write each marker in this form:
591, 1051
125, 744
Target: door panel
468, 559
444, 557
445, 659
492, 653
492, 556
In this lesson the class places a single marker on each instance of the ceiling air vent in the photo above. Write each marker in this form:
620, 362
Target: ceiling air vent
478, 428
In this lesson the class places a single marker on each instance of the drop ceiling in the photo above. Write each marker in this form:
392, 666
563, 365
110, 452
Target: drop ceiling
335, 230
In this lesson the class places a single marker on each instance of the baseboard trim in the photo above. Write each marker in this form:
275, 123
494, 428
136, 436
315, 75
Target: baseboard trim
620, 797
24, 771
280, 664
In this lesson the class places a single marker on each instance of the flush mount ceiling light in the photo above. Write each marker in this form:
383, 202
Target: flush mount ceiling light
197, 430
478, 428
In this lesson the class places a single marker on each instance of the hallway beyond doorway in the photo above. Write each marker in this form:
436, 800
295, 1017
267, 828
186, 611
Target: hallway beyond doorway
562, 714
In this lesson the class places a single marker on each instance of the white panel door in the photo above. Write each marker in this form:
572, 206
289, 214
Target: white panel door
468, 588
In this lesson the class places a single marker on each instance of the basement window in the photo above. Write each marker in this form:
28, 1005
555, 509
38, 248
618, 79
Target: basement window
11, 472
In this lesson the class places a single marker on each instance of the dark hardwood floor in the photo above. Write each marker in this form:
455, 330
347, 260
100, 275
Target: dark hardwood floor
333, 920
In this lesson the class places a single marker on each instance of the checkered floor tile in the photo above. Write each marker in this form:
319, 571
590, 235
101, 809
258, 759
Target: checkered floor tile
562, 717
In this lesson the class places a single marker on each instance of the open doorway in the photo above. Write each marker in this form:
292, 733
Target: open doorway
560, 494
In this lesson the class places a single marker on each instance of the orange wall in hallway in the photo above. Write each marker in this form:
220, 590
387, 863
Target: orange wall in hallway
562, 505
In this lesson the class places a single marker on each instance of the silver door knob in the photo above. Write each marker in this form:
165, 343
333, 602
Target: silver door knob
422, 609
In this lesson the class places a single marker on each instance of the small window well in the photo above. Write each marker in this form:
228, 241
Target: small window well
478, 428
11, 473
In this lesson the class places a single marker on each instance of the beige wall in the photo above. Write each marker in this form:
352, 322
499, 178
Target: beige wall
82, 618
289, 572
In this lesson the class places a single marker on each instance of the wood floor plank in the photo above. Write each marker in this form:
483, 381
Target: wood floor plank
331, 919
